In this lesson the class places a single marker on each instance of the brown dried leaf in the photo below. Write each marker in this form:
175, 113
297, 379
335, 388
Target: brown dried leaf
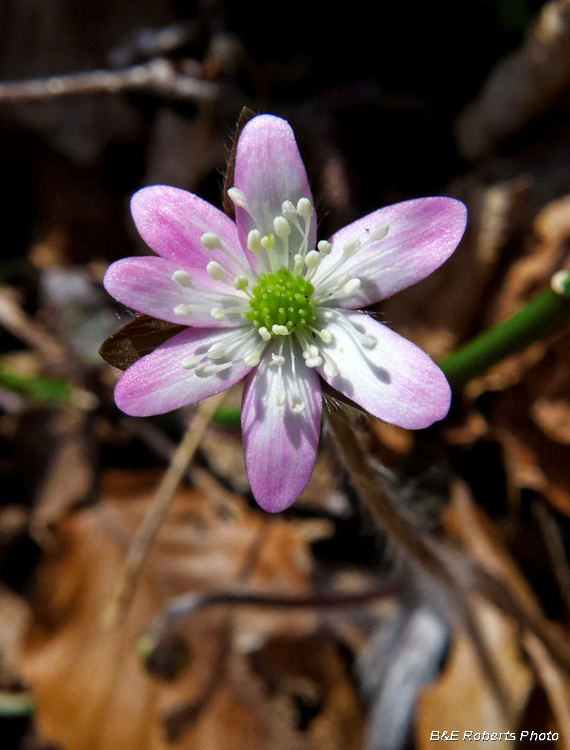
210, 540
139, 337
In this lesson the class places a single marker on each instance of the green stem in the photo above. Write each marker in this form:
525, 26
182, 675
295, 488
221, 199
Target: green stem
540, 317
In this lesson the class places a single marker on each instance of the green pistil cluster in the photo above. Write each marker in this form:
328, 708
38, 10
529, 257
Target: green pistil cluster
281, 299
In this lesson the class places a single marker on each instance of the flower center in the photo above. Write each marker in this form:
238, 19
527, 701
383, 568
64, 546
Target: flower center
281, 299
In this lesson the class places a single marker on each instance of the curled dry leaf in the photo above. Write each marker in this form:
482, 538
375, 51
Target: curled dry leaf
522, 86
91, 689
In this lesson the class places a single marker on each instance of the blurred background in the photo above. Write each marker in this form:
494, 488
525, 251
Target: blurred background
388, 102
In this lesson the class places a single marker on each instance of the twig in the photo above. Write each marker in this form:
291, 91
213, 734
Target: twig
418, 546
157, 76
146, 532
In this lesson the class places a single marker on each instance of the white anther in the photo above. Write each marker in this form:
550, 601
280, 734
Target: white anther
204, 371
368, 341
298, 406
217, 313
182, 278
216, 271
289, 210
210, 240
313, 350
264, 333
380, 232
304, 208
325, 335
312, 259
351, 246
254, 241
343, 280
241, 282
350, 287
325, 248
298, 262
217, 350
183, 310
277, 359
280, 395
314, 361
252, 358
267, 241
189, 363
237, 197
280, 330
559, 280
331, 370
282, 227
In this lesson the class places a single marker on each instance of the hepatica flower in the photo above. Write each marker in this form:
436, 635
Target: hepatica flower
264, 301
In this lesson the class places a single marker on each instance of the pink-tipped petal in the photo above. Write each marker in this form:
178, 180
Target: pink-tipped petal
422, 234
269, 170
145, 284
158, 383
394, 380
280, 445
171, 221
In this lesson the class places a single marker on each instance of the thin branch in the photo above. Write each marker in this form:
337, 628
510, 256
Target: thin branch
154, 516
158, 77
419, 547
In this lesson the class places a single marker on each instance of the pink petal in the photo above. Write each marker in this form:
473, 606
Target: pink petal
395, 381
145, 284
280, 446
269, 170
172, 221
158, 383
422, 235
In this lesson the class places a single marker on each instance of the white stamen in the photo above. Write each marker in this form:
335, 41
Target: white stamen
254, 241
298, 263
279, 330
559, 280
252, 358
304, 208
183, 310
325, 335
238, 198
267, 241
350, 287
189, 363
312, 259
325, 248
314, 361
217, 350
282, 227
241, 283
204, 371
350, 247
313, 350
368, 341
216, 271
264, 333
380, 232
330, 368
280, 395
217, 313
289, 210
182, 277
210, 240
277, 359
298, 406
343, 280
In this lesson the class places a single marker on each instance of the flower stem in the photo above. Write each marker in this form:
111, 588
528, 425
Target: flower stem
140, 545
540, 317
